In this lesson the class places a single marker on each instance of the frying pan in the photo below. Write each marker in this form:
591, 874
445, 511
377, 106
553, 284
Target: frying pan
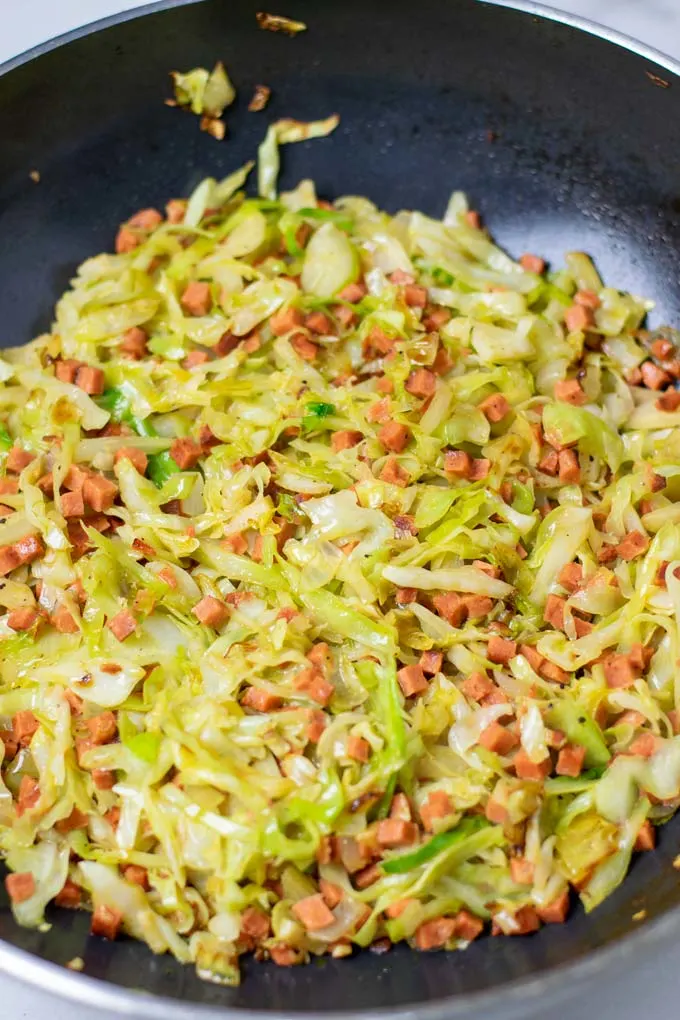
564, 136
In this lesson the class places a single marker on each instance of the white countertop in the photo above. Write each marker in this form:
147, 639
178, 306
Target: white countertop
26, 23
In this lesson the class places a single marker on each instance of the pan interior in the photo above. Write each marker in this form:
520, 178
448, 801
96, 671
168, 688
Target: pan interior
562, 141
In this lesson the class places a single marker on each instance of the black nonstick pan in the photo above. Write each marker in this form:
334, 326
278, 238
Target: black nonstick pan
562, 137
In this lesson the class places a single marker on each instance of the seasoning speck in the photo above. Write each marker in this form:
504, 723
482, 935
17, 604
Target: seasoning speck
35, 176
77, 963
640, 915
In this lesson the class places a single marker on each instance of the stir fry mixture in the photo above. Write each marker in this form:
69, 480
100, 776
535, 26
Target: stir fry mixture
340, 584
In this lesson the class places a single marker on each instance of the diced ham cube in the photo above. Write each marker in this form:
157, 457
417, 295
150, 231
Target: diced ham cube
260, 700
479, 469
358, 748
554, 611
312, 682
319, 323
20, 886
10, 746
394, 832
29, 548
99, 493
549, 464
412, 680
133, 344
313, 912
569, 469
136, 875
498, 738
571, 576
438, 805
645, 745
458, 463
619, 671
521, 871
69, 896
570, 391
587, 298
29, 794
76, 820
451, 607
24, 725
668, 401
22, 619
285, 956
304, 347
477, 686
414, 295
186, 453
103, 727
653, 377
18, 459
319, 654
75, 478
477, 606
65, 370
145, 219
431, 662
578, 318
255, 924
90, 379
468, 927
353, 292
495, 812
527, 769
394, 474
63, 621
127, 240
500, 650
555, 912
211, 611
345, 439
394, 436
106, 921
9, 560
72, 504
122, 625
9, 486
421, 383
570, 761
285, 320
196, 298
532, 263
103, 779
136, 457
633, 545
646, 837
331, 893
315, 726
435, 933
379, 412
550, 671
494, 407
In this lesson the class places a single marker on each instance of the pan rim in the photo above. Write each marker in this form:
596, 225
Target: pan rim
515, 996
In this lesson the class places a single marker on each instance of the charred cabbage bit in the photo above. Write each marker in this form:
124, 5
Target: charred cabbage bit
283, 132
205, 93
279, 23
339, 581
260, 98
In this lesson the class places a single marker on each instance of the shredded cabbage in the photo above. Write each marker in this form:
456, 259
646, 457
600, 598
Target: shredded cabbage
339, 580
